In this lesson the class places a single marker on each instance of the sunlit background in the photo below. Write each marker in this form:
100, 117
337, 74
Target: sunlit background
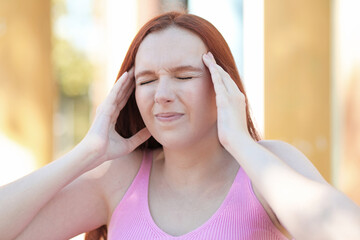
299, 60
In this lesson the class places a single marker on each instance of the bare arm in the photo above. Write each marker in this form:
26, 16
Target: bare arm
297, 161
293, 158
85, 203
21, 201
307, 206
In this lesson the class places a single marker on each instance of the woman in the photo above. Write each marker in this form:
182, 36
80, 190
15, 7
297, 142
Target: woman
191, 179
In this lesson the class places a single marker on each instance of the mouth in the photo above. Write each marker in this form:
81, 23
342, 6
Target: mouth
168, 116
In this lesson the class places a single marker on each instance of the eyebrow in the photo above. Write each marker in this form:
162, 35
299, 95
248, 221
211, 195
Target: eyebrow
174, 69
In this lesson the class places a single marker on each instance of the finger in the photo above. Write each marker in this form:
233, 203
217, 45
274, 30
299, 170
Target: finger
216, 78
228, 81
113, 103
131, 72
125, 91
120, 105
128, 85
123, 94
138, 138
112, 96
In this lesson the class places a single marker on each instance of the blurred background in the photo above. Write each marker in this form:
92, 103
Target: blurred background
299, 60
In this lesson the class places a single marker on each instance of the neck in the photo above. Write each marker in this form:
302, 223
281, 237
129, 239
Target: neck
197, 165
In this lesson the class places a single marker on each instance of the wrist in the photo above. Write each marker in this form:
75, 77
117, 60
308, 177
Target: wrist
91, 146
240, 145
87, 157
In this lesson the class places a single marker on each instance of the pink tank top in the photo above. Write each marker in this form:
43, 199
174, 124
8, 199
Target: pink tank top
240, 216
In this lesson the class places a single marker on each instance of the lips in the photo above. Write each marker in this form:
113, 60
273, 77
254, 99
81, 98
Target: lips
168, 116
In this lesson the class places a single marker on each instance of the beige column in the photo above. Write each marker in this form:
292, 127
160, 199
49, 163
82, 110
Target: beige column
26, 84
297, 77
147, 9
346, 81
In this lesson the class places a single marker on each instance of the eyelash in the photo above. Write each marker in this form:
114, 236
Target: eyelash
146, 82
181, 78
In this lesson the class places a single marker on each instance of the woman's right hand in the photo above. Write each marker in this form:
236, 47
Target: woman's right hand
102, 140
41, 195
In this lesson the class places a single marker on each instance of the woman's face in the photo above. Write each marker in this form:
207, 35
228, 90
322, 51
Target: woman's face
174, 92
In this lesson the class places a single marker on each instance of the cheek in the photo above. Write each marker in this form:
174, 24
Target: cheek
204, 98
211, 100
208, 87
208, 92
144, 101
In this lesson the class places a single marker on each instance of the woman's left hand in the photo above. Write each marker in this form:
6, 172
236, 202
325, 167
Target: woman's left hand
231, 105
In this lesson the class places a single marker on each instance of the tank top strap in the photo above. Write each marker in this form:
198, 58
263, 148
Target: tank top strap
141, 180
135, 194
144, 171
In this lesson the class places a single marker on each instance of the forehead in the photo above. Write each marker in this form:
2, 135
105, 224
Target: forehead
169, 47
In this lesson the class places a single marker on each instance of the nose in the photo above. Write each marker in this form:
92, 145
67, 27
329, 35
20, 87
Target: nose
164, 92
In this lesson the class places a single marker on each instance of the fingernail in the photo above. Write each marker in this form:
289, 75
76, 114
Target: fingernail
125, 74
211, 55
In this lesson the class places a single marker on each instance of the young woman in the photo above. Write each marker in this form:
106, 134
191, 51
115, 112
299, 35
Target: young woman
173, 154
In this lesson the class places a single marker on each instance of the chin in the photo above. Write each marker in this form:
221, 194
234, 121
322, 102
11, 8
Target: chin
184, 137
175, 141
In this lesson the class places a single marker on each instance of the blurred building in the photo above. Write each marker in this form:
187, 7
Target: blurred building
27, 89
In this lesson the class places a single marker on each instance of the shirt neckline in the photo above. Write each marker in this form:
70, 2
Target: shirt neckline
213, 217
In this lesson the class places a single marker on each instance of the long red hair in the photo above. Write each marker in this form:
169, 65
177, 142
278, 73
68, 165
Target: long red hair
129, 121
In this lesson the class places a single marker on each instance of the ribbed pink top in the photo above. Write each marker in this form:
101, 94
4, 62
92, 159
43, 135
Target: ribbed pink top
240, 216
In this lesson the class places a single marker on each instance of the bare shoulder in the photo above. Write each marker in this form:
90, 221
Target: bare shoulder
297, 161
114, 177
115, 168
293, 157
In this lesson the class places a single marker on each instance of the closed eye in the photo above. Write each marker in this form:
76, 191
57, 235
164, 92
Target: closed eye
184, 78
146, 82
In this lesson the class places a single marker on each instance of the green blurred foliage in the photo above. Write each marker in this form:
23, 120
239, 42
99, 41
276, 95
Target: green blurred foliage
73, 71
74, 74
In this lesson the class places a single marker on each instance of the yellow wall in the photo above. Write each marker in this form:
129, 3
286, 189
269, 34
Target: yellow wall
297, 77
26, 85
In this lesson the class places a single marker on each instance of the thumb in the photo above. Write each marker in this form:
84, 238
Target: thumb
139, 137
